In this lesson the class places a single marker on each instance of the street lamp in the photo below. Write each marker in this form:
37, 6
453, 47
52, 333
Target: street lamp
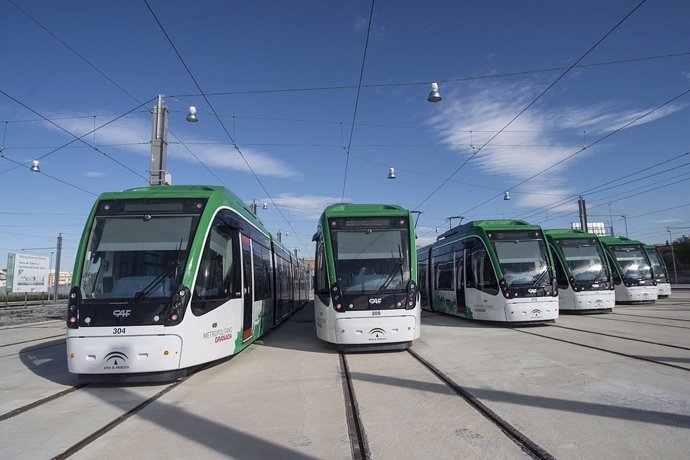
625, 219
252, 206
434, 95
673, 255
158, 175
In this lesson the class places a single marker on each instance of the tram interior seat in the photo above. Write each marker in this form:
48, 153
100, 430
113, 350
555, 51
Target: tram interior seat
127, 286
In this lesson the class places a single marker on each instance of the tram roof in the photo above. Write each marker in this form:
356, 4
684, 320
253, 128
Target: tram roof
617, 240
568, 233
364, 209
488, 225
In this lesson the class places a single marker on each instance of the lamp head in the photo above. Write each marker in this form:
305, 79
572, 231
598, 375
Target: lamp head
434, 95
191, 116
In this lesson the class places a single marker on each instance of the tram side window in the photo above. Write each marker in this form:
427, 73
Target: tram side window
459, 265
218, 278
321, 274
422, 278
262, 272
480, 272
444, 273
561, 277
614, 271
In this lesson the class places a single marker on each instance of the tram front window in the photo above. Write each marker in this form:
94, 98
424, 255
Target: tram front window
372, 259
585, 259
657, 266
127, 255
633, 262
523, 261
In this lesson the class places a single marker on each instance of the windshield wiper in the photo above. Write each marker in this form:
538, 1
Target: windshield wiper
391, 275
141, 295
540, 277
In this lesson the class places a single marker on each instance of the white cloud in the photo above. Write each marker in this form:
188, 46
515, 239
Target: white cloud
95, 174
306, 205
531, 143
134, 136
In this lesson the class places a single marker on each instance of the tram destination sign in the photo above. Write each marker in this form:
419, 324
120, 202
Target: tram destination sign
27, 273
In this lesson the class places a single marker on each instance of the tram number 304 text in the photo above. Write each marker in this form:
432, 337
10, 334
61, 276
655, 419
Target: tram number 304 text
118, 330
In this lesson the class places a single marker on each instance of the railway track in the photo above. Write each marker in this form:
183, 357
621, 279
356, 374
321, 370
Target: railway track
605, 350
358, 439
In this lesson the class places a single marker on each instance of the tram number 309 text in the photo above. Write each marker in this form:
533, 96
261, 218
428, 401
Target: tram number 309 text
376, 313
118, 330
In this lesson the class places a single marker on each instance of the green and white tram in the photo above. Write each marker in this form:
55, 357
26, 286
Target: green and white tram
582, 272
365, 283
631, 269
491, 270
168, 278
663, 281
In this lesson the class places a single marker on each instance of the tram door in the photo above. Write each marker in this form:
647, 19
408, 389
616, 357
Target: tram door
247, 287
460, 281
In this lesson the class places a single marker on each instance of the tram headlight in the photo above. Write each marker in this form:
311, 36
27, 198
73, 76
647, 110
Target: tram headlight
177, 306
337, 297
73, 308
411, 297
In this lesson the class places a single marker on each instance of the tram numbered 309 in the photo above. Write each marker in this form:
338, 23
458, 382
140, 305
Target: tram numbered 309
365, 283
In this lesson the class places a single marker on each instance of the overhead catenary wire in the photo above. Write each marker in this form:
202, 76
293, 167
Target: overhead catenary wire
603, 187
359, 89
220, 121
120, 87
57, 179
527, 107
77, 138
517, 73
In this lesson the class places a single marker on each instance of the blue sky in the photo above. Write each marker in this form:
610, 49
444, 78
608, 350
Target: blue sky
283, 79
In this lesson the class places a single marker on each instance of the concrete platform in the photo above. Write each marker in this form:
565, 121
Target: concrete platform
577, 394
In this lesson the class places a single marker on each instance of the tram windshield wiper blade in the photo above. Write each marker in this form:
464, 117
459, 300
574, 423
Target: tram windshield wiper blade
540, 277
141, 295
391, 275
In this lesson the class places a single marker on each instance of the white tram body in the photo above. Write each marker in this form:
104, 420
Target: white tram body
169, 278
633, 277
582, 271
365, 292
663, 282
586, 300
663, 289
494, 270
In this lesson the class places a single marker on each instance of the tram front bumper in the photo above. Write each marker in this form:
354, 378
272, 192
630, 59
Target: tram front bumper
126, 354
532, 309
375, 331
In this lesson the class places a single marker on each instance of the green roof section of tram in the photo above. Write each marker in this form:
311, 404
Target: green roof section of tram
354, 210
557, 233
481, 226
617, 240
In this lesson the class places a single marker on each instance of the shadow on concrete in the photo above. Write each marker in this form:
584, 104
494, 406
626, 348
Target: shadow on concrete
176, 422
48, 360
670, 359
581, 407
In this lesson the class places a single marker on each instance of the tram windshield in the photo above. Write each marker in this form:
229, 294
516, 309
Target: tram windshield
371, 255
658, 265
633, 261
522, 256
585, 259
136, 255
